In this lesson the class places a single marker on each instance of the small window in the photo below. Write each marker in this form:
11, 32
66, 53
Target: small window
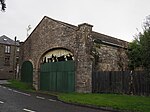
7, 49
7, 61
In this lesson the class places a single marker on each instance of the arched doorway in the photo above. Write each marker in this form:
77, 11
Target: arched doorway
27, 72
57, 71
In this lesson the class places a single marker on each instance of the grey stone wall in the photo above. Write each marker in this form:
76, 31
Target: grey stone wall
84, 62
50, 34
111, 58
7, 71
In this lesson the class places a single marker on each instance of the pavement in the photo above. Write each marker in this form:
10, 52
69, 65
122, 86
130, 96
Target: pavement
4, 82
12, 100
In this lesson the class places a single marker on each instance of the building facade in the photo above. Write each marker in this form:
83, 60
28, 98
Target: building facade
9, 57
111, 53
54, 42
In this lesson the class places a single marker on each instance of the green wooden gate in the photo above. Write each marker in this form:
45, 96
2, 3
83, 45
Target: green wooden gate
27, 72
58, 76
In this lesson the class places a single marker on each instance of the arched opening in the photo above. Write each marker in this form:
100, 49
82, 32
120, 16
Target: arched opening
27, 72
57, 71
57, 55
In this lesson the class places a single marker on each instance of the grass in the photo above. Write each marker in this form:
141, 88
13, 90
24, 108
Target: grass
20, 85
26, 87
115, 101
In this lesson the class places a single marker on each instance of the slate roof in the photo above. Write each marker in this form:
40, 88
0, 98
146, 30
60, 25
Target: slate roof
6, 40
110, 40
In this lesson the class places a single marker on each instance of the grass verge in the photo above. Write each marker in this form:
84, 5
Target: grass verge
20, 85
115, 101
16, 84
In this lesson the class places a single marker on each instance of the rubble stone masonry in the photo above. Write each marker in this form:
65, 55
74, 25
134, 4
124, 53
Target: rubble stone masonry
51, 34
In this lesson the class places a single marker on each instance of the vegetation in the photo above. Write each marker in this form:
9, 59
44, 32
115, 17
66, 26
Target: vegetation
115, 101
2, 3
27, 87
20, 85
139, 53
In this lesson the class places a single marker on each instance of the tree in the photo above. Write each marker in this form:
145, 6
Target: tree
134, 54
2, 2
145, 44
139, 48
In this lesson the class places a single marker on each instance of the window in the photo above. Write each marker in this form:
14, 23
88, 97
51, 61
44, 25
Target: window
7, 60
7, 49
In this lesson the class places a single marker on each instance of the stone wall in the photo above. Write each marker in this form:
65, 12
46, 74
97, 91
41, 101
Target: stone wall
51, 34
111, 58
7, 71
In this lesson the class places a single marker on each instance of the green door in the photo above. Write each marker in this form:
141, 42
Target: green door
27, 72
58, 76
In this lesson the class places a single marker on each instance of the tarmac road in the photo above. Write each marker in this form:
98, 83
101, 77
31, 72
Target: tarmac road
17, 101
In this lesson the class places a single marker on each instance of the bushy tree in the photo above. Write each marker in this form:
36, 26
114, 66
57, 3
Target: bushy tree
145, 44
3, 5
134, 54
139, 48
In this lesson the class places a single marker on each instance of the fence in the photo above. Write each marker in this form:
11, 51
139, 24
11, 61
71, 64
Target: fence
125, 82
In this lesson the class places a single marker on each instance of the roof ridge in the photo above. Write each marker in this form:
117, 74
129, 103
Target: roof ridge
61, 22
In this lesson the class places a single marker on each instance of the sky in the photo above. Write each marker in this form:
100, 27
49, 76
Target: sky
116, 18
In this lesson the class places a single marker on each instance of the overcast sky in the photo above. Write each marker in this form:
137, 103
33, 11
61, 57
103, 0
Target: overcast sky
117, 18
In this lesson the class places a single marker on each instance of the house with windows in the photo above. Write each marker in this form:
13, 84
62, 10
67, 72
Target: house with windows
9, 57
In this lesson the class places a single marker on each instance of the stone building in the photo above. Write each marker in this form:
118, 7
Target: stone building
9, 57
111, 53
50, 44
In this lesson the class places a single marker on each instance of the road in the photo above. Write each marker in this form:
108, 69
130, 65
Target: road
17, 101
